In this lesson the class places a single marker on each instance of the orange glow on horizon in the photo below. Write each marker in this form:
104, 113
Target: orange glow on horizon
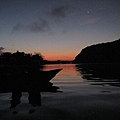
52, 58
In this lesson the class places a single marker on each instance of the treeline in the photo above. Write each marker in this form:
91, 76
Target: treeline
100, 53
19, 58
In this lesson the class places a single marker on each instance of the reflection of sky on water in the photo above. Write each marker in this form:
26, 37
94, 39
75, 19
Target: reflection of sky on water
85, 79
85, 74
79, 100
68, 73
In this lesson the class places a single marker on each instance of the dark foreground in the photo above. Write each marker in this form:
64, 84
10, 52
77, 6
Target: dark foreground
95, 104
81, 99
25, 79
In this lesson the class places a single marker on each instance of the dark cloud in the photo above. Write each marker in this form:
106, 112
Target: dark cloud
58, 12
42, 25
64, 11
38, 26
1, 49
18, 27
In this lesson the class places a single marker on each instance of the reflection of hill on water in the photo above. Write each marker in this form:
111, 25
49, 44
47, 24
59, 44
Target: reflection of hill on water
103, 74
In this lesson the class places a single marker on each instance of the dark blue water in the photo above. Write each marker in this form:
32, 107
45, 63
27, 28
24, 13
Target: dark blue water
89, 91
92, 76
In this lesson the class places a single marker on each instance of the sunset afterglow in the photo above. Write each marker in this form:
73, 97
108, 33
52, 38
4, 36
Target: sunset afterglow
58, 29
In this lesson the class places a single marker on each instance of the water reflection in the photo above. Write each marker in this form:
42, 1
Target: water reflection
68, 73
100, 74
31, 79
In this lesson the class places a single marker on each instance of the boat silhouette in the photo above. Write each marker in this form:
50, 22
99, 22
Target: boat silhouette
26, 81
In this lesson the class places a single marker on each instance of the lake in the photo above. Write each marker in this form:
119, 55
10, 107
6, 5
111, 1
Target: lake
89, 91
102, 77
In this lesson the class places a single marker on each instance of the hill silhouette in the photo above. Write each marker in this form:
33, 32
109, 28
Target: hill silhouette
100, 53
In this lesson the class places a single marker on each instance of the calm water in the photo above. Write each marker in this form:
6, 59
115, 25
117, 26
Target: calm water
85, 79
90, 91
88, 77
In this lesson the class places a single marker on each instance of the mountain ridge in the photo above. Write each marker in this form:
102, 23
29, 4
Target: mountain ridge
100, 53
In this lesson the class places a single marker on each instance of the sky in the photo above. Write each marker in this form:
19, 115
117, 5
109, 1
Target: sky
58, 29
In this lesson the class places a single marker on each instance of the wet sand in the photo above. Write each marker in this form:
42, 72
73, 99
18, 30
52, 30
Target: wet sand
76, 102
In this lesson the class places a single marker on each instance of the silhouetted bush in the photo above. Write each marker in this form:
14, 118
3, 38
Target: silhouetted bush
19, 58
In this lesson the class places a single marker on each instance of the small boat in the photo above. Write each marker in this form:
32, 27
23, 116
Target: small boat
48, 75
27, 81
